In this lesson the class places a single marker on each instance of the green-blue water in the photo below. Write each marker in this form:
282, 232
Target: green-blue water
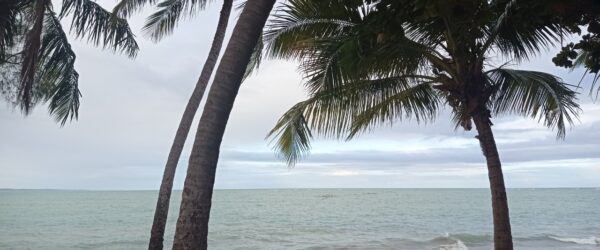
306, 219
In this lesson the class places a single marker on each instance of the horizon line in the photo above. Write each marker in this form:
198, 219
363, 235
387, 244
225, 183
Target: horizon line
287, 188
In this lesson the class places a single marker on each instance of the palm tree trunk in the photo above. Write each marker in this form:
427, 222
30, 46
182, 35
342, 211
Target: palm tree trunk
192, 225
164, 195
502, 231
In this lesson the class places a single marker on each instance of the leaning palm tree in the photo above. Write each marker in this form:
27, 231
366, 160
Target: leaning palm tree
158, 25
369, 63
36, 59
192, 224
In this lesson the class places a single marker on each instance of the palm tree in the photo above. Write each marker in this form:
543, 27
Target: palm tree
158, 25
166, 186
192, 224
369, 63
36, 58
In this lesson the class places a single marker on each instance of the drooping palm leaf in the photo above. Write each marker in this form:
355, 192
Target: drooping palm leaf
419, 102
100, 27
337, 112
57, 72
534, 94
292, 134
255, 59
582, 58
126, 8
163, 22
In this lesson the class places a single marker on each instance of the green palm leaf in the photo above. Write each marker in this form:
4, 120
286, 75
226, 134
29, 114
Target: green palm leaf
126, 8
584, 57
100, 26
335, 112
298, 23
292, 134
57, 76
163, 22
417, 101
534, 94
255, 59
515, 36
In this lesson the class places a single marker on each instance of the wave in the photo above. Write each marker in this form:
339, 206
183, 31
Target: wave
458, 245
581, 241
468, 239
450, 242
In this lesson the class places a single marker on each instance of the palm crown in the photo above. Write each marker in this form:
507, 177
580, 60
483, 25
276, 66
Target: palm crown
368, 63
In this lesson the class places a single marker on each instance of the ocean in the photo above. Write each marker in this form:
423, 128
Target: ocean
306, 219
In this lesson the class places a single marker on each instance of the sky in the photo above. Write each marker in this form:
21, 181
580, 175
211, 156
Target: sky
131, 108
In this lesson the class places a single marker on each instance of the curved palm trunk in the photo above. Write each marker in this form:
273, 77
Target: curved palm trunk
192, 225
164, 195
502, 232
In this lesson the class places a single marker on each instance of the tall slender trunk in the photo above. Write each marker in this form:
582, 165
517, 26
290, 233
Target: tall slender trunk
192, 225
502, 231
164, 195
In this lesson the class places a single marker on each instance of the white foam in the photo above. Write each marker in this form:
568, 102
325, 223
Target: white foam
458, 245
582, 241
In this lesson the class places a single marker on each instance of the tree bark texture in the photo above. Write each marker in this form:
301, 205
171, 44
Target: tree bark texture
502, 230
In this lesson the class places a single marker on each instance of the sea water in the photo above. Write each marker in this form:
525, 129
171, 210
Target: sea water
306, 219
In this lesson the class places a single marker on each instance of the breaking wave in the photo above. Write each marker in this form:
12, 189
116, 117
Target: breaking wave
582, 241
458, 245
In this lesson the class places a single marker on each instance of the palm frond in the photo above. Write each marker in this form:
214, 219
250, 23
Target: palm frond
126, 8
515, 36
163, 22
292, 134
64, 104
534, 94
291, 40
499, 23
341, 45
255, 59
298, 23
333, 112
584, 57
99, 26
57, 75
419, 102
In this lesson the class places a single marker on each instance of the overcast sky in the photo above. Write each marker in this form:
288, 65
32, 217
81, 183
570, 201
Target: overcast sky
131, 108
